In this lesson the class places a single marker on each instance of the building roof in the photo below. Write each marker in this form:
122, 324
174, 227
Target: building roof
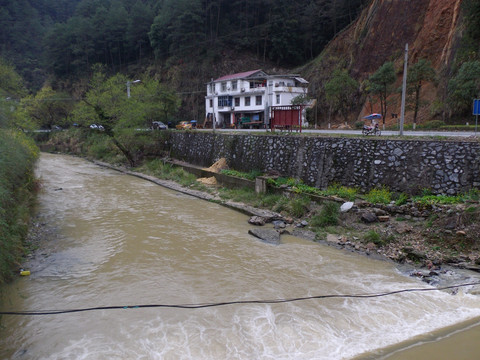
259, 73
241, 75
301, 80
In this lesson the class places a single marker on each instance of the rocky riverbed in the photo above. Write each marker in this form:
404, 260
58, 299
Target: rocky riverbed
439, 245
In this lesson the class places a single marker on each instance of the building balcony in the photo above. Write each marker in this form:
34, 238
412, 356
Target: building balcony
289, 89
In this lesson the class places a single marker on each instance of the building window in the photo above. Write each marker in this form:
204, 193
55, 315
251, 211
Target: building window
234, 85
258, 100
257, 83
211, 102
247, 101
212, 88
224, 101
278, 98
237, 101
224, 86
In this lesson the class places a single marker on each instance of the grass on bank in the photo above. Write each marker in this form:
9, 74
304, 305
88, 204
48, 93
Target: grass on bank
17, 187
167, 171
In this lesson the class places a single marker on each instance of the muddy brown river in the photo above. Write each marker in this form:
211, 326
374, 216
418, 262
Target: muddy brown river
122, 241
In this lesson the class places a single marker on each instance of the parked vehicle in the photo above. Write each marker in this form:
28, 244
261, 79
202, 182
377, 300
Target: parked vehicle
184, 125
158, 125
371, 130
97, 127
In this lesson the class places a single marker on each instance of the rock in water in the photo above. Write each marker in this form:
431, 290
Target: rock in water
268, 235
278, 224
257, 220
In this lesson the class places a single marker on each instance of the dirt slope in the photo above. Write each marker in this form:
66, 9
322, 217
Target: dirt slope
432, 29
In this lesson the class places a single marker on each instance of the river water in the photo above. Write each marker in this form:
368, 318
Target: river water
120, 240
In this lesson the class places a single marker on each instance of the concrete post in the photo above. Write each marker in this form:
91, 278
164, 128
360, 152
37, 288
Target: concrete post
260, 185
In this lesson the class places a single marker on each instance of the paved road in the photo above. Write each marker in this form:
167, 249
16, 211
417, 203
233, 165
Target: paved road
354, 132
384, 133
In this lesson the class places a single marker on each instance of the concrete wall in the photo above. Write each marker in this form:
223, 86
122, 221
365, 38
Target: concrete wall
445, 167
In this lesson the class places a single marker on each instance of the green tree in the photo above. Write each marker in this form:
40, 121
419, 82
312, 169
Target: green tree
472, 19
285, 33
418, 74
302, 99
159, 101
366, 89
464, 87
106, 103
139, 21
179, 25
11, 90
340, 92
381, 85
48, 108
116, 36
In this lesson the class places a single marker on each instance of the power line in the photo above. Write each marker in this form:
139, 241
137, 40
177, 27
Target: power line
237, 302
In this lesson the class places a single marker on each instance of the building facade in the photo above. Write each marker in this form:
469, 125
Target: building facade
243, 100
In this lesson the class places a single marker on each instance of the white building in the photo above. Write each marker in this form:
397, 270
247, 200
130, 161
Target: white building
244, 99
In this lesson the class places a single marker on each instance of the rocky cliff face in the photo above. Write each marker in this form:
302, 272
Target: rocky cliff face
430, 27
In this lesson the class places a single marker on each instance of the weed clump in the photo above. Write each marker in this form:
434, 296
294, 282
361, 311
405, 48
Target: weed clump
298, 206
374, 237
328, 215
379, 196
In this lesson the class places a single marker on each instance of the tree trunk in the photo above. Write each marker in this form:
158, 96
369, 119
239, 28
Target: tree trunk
109, 132
124, 150
417, 105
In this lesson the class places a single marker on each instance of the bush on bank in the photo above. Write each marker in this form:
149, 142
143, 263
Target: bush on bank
17, 185
94, 144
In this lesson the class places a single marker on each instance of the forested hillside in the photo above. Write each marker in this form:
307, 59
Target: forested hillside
69, 36
181, 42
351, 51
24, 25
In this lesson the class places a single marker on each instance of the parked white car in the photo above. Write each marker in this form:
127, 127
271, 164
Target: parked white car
97, 127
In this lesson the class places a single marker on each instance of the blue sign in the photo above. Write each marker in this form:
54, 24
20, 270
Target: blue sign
476, 107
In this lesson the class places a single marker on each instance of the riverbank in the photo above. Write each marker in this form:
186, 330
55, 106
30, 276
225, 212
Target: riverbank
423, 244
17, 198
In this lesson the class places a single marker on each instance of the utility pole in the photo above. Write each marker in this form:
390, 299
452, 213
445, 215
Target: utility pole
212, 89
268, 101
404, 90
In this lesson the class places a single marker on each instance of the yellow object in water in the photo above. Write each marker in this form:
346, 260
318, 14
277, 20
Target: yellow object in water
25, 272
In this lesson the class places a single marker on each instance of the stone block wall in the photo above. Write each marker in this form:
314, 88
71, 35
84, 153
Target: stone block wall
445, 167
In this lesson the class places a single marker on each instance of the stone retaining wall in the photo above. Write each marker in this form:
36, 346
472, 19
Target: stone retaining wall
445, 167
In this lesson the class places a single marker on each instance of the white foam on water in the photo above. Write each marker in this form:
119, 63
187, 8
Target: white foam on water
315, 330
